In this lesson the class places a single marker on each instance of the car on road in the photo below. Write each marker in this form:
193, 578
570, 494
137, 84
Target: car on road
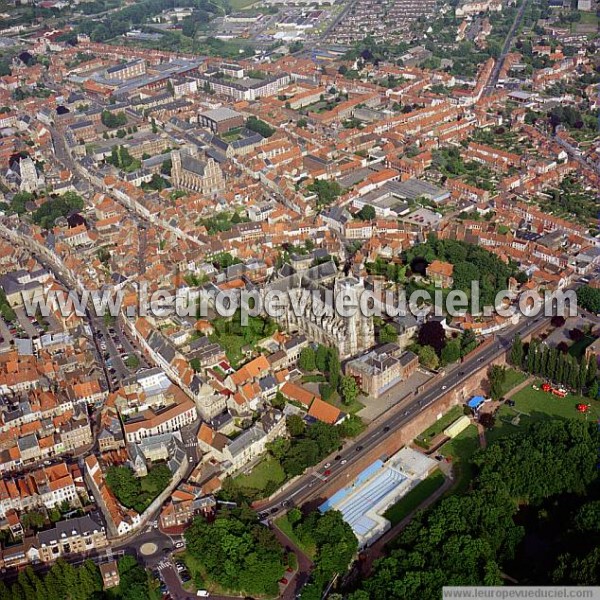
179, 545
327, 472
444, 387
344, 462
327, 465
359, 448
202, 594
386, 429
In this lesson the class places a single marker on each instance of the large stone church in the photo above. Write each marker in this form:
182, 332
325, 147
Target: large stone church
318, 320
189, 172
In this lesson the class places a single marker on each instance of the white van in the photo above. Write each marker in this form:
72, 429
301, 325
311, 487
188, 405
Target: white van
202, 593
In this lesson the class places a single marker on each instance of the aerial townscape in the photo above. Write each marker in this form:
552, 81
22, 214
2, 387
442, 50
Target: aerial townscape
192, 192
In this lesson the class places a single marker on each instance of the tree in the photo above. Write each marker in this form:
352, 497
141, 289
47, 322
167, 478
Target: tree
335, 544
592, 369
487, 420
321, 358
589, 298
295, 425
428, 358
388, 334
468, 342
307, 359
497, 379
259, 126
366, 213
334, 368
451, 352
432, 334
326, 391
326, 191
351, 426
240, 556
348, 389
113, 120
517, 353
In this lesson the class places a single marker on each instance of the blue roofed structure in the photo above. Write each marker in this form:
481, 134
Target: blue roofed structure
475, 402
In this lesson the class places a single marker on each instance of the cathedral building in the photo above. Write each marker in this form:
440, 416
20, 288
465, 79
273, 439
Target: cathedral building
318, 320
189, 172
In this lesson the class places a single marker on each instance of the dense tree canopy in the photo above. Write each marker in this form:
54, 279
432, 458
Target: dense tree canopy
326, 191
589, 298
238, 555
62, 206
62, 582
471, 263
259, 126
335, 545
134, 492
471, 539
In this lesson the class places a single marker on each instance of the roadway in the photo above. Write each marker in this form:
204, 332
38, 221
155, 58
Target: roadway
493, 80
307, 486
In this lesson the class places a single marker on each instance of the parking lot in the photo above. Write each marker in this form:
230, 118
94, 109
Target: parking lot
122, 359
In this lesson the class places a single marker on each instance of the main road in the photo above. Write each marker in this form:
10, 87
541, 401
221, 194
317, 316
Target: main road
493, 80
307, 486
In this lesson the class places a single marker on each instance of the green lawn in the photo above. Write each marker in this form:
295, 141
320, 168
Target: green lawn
461, 449
285, 526
265, 471
396, 513
232, 344
513, 379
424, 438
351, 408
535, 405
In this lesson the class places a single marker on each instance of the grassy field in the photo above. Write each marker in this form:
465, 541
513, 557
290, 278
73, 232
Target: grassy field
535, 405
285, 526
265, 471
513, 379
351, 408
414, 498
454, 413
461, 449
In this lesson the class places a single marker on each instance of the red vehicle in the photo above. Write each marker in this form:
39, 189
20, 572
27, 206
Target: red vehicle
583, 408
546, 387
327, 473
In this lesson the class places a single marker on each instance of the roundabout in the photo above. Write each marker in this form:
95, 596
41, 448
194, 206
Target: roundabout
148, 549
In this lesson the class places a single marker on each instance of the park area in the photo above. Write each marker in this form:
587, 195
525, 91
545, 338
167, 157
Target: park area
460, 450
533, 405
425, 439
268, 474
407, 504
